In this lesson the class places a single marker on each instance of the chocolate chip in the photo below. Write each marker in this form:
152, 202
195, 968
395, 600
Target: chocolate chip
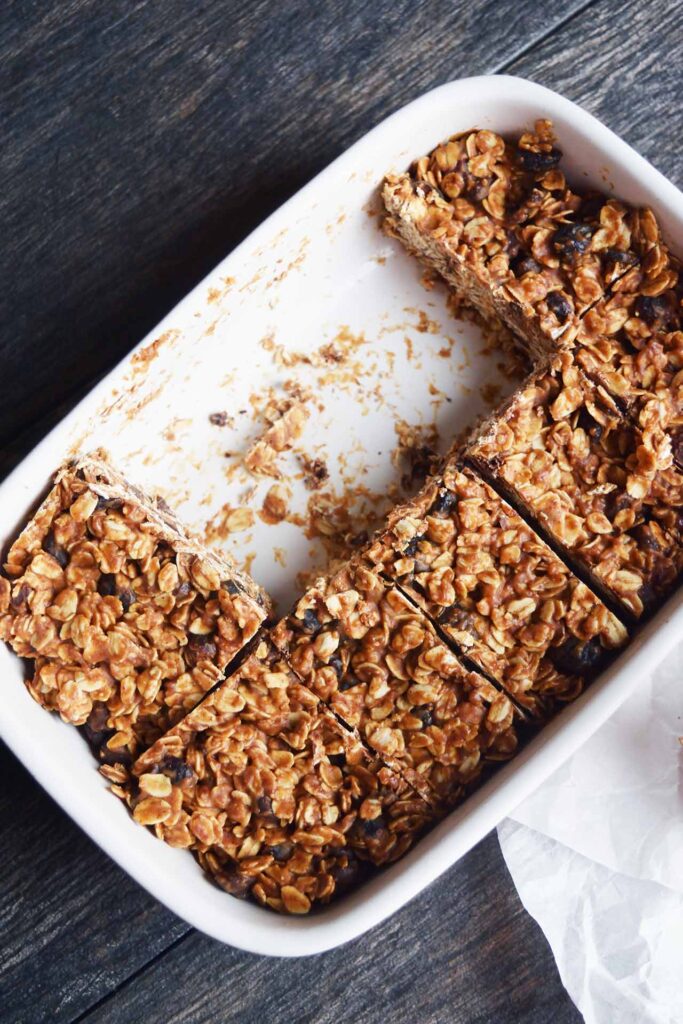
53, 548
374, 827
654, 310
281, 851
412, 545
424, 714
444, 502
106, 585
127, 597
311, 623
619, 256
532, 161
479, 189
236, 883
576, 657
348, 682
571, 240
525, 264
201, 647
560, 306
176, 768
335, 662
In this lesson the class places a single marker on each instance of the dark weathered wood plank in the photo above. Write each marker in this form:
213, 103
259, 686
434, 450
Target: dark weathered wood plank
622, 62
143, 141
72, 924
464, 952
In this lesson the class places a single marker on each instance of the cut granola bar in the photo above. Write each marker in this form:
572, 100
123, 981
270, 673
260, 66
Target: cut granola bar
376, 661
278, 801
605, 491
537, 255
130, 619
497, 590
632, 344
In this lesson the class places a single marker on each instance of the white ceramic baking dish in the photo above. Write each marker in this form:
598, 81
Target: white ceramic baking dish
316, 264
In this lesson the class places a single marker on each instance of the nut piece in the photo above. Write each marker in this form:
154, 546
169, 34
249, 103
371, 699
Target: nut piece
562, 450
497, 590
131, 621
376, 661
274, 797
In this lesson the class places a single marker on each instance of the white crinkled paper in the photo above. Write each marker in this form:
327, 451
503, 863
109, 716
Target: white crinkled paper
596, 854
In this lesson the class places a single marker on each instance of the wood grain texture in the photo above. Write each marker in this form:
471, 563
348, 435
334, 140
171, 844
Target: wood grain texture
142, 142
72, 924
462, 953
622, 62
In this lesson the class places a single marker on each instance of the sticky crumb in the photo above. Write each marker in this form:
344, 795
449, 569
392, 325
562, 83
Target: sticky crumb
226, 521
221, 419
315, 471
415, 454
275, 504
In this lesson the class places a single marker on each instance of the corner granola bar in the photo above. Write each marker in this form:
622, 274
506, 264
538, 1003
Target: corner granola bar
605, 491
278, 801
375, 660
131, 621
497, 590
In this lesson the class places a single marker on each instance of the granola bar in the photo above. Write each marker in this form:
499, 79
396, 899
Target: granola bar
497, 590
278, 801
604, 491
537, 263
375, 660
632, 344
129, 619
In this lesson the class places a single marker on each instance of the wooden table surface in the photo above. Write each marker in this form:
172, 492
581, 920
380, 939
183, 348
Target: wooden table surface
142, 142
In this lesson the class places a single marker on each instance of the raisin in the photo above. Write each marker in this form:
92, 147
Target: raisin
176, 768
232, 587
53, 548
677, 445
265, 805
479, 189
618, 256
219, 419
525, 264
445, 501
20, 595
532, 161
560, 306
575, 657
116, 503
106, 585
571, 240
236, 883
338, 760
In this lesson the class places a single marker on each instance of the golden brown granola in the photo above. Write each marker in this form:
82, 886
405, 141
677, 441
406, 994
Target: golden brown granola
376, 661
497, 590
277, 800
129, 618
604, 490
